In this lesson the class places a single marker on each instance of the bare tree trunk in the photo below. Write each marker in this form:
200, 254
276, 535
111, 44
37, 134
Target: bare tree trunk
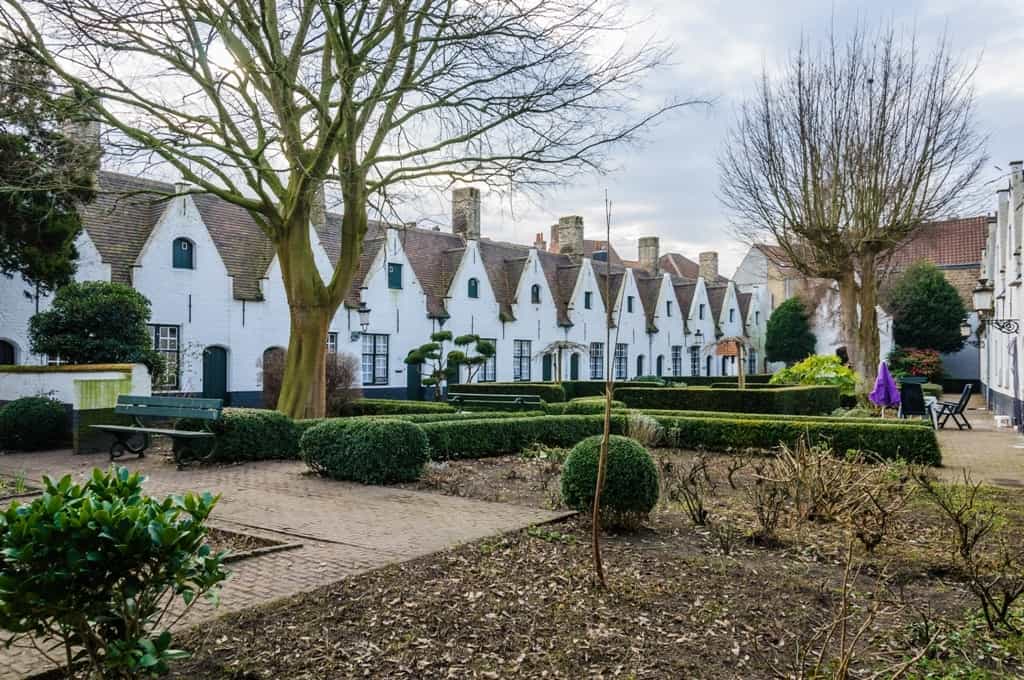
849, 318
867, 329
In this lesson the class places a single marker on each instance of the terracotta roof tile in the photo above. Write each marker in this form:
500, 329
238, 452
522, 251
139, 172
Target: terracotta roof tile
950, 242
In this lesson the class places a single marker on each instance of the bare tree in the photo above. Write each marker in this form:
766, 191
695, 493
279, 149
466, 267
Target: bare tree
844, 155
264, 104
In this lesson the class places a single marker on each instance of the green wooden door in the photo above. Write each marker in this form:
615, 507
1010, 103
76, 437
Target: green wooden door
574, 366
545, 368
413, 385
215, 373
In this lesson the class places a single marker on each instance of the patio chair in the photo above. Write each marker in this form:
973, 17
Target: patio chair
944, 410
912, 403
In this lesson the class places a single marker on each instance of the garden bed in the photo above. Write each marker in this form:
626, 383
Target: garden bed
241, 546
678, 605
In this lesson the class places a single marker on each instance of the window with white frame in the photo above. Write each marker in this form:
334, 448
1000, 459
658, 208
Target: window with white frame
677, 360
489, 370
521, 360
332, 343
167, 341
695, 360
620, 360
596, 360
375, 359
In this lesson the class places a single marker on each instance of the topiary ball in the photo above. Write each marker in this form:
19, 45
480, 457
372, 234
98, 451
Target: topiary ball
32, 423
365, 450
631, 478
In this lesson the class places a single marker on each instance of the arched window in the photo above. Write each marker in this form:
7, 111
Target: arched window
660, 365
7, 353
474, 288
184, 254
639, 365
535, 294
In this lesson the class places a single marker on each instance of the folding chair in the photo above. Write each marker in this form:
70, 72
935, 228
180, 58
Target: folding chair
944, 410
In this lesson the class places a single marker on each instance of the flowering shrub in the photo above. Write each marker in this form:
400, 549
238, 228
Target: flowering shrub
923, 363
818, 369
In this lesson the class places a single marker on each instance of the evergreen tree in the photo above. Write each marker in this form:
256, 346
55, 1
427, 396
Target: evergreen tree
789, 337
926, 309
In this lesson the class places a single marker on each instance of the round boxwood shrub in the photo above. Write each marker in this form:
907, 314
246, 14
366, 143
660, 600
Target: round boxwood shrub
32, 423
631, 479
367, 451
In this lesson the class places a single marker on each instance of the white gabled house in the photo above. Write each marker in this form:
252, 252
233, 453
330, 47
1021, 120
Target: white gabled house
219, 305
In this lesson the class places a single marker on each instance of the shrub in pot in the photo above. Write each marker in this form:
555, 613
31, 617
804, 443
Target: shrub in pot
95, 566
32, 423
364, 450
631, 481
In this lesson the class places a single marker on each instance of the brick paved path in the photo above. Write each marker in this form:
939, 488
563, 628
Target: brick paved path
344, 528
990, 454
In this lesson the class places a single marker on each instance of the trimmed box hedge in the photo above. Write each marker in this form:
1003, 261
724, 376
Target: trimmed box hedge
549, 392
802, 400
377, 407
243, 434
772, 416
482, 438
750, 386
908, 442
708, 380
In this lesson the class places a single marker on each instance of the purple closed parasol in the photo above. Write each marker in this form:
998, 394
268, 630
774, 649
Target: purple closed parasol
886, 394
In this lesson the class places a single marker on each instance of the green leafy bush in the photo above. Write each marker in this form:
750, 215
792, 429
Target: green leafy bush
377, 407
244, 434
784, 400
926, 309
370, 451
481, 438
912, 443
94, 566
95, 322
549, 392
788, 335
631, 480
588, 405
918, 363
32, 423
820, 369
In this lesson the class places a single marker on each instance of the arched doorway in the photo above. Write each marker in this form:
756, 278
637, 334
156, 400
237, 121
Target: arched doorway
660, 365
8, 355
707, 365
639, 365
215, 373
574, 366
546, 368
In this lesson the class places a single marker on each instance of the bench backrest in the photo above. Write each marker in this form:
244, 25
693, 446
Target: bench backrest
964, 398
168, 407
496, 399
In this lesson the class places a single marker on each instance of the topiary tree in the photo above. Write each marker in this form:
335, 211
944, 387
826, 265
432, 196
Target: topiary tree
474, 354
630, 489
32, 423
95, 322
789, 337
98, 566
927, 312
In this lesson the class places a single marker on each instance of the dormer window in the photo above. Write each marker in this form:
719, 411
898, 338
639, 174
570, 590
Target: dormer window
668, 308
535, 294
394, 275
474, 288
629, 304
588, 300
732, 314
184, 254
700, 311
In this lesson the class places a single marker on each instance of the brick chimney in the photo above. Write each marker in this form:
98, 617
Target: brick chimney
86, 134
539, 243
466, 213
648, 248
709, 265
570, 235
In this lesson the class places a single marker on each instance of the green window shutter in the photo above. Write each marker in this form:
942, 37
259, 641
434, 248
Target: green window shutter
394, 275
183, 254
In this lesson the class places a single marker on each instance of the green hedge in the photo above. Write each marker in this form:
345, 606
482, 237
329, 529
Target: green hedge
549, 392
708, 380
243, 434
772, 416
750, 386
377, 407
908, 442
304, 425
803, 400
32, 423
481, 438
589, 405
574, 389
369, 451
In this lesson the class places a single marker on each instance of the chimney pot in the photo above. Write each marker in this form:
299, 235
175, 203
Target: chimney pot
466, 212
539, 243
649, 247
709, 266
570, 235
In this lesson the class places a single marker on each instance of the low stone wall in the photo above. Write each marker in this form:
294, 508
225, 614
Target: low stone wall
88, 391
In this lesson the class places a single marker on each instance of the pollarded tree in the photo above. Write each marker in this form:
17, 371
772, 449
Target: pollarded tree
788, 336
266, 104
45, 175
927, 312
95, 322
473, 353
845, 155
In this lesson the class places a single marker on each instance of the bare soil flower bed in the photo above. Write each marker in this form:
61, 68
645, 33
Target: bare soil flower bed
524, 605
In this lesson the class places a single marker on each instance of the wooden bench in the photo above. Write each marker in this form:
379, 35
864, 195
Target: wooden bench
126, 436
502, 401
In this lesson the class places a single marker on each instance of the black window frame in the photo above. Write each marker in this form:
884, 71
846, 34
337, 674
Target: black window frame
620, 361
629, 304
677, 360
668, 308
535, 294
172, 357
489, 367
695, 360
588, 300
521, 360
596, 357
379, 377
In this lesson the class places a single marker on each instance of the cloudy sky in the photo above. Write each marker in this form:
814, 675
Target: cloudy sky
667, 186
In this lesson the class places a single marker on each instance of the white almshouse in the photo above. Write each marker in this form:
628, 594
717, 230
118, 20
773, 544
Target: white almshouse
218, 304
